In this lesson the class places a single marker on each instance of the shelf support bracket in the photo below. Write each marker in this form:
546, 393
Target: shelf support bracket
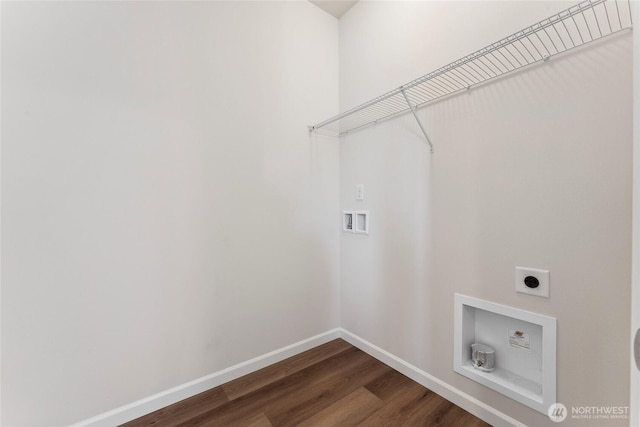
415, 115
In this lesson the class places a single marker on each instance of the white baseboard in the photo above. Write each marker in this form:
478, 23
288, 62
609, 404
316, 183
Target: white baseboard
157, 401
452, 394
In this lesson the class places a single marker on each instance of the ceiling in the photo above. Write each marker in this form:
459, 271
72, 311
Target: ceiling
336, 8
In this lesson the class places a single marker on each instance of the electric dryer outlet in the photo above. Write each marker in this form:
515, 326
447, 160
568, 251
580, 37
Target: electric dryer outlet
532, 281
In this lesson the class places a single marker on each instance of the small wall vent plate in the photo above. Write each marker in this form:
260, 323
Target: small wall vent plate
348, 221
362, 222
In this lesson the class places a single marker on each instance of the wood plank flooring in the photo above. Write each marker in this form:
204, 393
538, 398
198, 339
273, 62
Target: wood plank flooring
334, 384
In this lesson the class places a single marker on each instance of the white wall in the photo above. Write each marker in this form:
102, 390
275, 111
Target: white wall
164, 212
531, 170
635, 292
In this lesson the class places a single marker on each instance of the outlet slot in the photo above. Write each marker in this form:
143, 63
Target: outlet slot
362, 222
348, 221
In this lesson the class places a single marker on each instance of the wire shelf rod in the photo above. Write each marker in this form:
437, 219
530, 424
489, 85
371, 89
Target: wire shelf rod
618, 12
415, 115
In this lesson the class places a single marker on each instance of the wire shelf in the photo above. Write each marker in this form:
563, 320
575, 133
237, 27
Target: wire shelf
576, 26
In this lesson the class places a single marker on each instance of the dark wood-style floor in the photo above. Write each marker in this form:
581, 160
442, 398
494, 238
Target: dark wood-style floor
334, 384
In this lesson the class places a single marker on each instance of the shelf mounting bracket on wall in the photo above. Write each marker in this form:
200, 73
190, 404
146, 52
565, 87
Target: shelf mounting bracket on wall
571, 28
413, 111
